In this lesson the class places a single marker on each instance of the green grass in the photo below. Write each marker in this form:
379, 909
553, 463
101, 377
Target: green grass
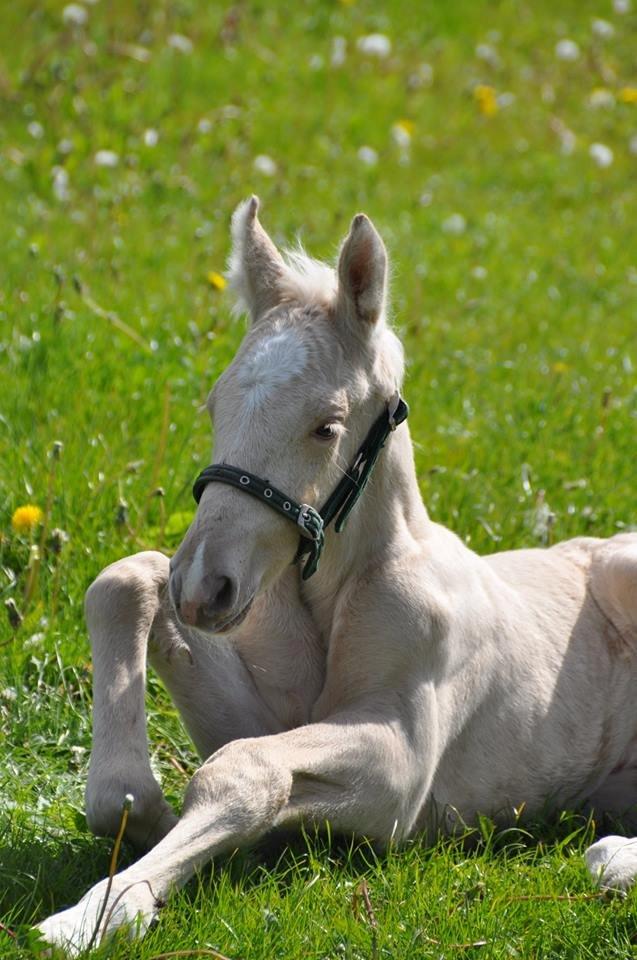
522, 343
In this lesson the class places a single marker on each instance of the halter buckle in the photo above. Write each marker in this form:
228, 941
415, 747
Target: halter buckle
310, 522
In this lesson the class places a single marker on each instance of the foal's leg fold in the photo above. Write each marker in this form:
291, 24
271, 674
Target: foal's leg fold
359, 773
121, 608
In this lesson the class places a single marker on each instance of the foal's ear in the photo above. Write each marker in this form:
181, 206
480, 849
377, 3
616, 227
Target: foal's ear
362, 272
256, 267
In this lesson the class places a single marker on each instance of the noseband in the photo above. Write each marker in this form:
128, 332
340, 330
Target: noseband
312, 523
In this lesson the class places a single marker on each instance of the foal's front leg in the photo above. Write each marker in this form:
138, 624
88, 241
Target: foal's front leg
122, 605
360, 771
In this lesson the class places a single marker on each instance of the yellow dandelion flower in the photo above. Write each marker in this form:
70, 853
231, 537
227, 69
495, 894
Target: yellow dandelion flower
560, 367
628, 95
486, 99
407, 125
26, 518
217, 280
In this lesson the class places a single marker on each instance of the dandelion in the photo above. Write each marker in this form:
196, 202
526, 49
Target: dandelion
628, 95
26, 518
374, 45
402, 132
601, 154
265, 165
216, 280
567, 50
485, 97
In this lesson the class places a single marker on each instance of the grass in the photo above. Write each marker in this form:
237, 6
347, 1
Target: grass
519, 321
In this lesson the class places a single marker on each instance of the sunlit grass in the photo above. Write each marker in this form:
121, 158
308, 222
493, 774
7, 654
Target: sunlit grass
514, 284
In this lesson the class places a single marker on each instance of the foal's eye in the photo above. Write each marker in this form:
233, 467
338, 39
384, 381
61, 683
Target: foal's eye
327, 431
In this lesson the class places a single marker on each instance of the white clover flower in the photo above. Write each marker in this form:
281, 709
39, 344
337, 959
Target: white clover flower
151, 137
601, 98
75, 14
602, 28
601, 154
180, 42
35, 130
506, 99
316, 62
339, 51
454, 225
567, 50
374, 45
265, 165
367, 156
106, 158
479, 273
621, 6
204, 125
488, 54
60, 184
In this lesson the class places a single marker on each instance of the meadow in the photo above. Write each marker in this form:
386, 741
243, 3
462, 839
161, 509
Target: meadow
495, 147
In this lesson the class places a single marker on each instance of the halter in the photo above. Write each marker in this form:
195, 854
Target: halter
312, 523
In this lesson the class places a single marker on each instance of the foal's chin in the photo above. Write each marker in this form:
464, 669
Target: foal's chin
212, 627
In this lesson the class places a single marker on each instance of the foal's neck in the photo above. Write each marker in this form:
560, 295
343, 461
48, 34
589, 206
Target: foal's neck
389, 515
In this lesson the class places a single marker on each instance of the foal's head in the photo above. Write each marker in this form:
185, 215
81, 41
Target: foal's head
313, 371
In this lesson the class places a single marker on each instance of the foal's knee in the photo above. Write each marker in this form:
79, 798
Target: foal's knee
129, 588
249, 785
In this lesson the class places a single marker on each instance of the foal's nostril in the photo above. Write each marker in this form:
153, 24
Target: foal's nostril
222, 595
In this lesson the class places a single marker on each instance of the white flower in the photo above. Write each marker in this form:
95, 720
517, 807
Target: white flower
65, 147
375, 45
9, 693
601, 154
60, 184
455, 225
106, 158
316, 62
204, 125
487, 53
75, 13
505, 99
180, 42
339, 49
423, 76
368, 156
632, 145
480, 273
621, 6
36, 130
567, 50
603, 29
601, 97
568, 140
151, 137
401, 136
265, 165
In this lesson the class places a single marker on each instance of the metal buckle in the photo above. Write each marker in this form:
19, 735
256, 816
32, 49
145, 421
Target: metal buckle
392, 407
308, 515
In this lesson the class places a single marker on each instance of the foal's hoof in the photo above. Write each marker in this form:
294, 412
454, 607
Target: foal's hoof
130, 908
612, 862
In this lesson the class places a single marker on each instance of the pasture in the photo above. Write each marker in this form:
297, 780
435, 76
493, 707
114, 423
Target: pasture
495, 147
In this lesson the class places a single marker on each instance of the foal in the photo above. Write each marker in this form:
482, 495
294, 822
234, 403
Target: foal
384, 677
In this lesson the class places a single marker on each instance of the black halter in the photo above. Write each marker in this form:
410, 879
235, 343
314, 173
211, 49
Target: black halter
312, 523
